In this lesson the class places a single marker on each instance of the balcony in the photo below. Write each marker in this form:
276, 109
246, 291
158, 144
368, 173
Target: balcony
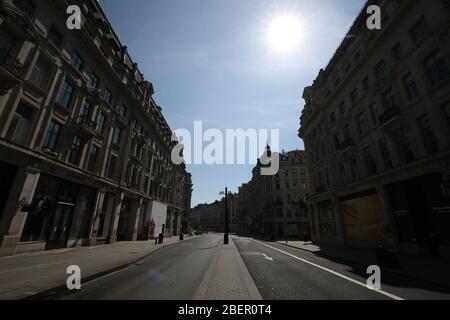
86, 127
11, 71
390, 115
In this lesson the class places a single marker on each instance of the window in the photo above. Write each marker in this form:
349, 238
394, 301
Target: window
404, 145
428, 135
117, 136
107, 96
397, 52
75, 150
65, 96
93, 156
370, 161
386, 155
101, 123
343, 107
380, 69
19, 128
93, 81
354, 95
361, 124
55, 37
112, 167
374, 114
39, 74
76, 61
7, 41
366, 83
52, 136
420, 30
85, 112
122, 110
25, 5
354, 169
437, 68
390, 98
411, 87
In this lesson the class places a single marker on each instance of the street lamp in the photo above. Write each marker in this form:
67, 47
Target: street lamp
226, 238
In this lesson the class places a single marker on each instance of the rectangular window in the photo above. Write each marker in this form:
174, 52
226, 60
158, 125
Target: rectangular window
380, 69
397, 52
19, 128
420, 30
85, 112
93, 156
75, 150
332, 117
93, 81
107, 96
52, 136
385, 153
112, 167
65, 96
370, 161
390, 99
437, 68
343, 108
39, 74
117, 139
375, 115
366, 83
404, 145
428, 135
55, 37
361, 123
122, 110
411, 87
354, 95
101, 123
76, 61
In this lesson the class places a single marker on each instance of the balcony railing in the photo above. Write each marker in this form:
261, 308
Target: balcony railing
389, 115
10, 63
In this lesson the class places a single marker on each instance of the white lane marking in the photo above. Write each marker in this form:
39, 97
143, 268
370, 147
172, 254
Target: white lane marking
267, 257
387, 294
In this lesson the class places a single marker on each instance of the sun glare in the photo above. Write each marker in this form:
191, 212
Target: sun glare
284, 33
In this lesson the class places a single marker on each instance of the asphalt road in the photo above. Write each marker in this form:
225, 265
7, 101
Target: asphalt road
173, 273
285, 273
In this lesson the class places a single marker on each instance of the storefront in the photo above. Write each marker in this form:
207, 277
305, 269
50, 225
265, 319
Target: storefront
60, 214
362, 219
421, 210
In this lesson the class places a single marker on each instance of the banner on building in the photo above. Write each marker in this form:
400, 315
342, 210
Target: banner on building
362, 218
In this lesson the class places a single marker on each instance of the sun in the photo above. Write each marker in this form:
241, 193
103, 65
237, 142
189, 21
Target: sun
284, 33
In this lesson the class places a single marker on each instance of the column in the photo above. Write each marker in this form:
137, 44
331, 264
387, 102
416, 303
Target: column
22, 193
116, 215
388, 218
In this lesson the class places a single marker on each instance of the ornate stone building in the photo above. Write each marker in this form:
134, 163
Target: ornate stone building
377, 133
275, 206
84, 148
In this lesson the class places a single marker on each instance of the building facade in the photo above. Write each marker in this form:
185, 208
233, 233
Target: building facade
275, 206
84, 148
377, 133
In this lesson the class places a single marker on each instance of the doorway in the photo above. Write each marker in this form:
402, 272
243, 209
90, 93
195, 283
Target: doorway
59, 231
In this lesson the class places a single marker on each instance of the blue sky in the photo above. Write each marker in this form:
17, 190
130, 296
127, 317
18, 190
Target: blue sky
209, 61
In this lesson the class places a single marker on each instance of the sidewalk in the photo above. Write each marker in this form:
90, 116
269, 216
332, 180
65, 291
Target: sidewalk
28, 274
227, 277
426, 268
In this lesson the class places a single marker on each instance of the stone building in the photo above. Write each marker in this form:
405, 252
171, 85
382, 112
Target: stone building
377, 133
275, 206
84, 148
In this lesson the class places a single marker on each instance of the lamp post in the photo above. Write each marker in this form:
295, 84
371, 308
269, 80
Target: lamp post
226, 238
